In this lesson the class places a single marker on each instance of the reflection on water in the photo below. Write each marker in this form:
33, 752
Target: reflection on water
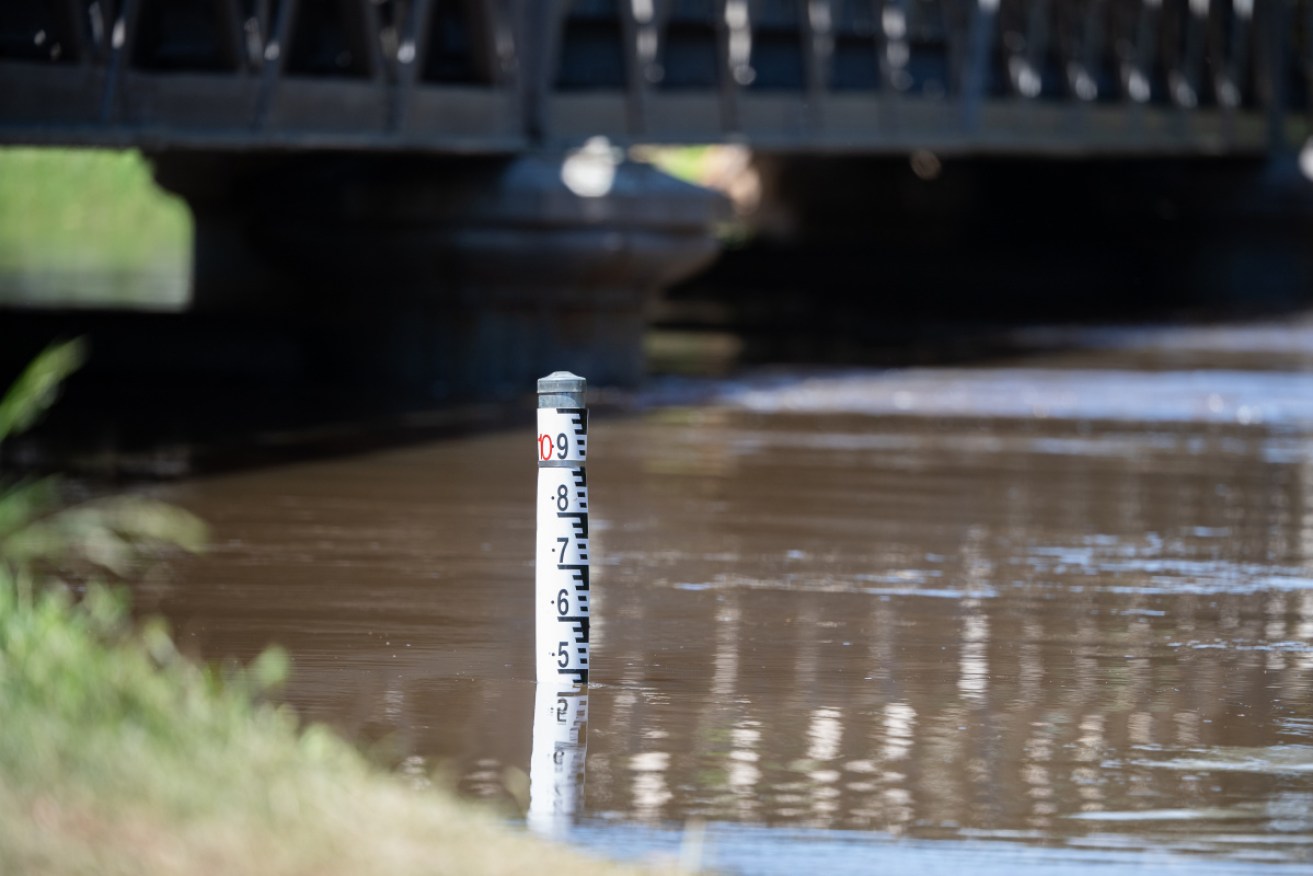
556, 767
827, 627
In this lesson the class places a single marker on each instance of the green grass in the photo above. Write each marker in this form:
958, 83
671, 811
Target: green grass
89, 226
120, 756
682, 162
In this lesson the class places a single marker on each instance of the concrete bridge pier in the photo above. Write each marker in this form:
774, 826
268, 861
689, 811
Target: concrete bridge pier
444, 278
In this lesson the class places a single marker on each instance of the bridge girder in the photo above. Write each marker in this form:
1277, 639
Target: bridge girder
1086, 77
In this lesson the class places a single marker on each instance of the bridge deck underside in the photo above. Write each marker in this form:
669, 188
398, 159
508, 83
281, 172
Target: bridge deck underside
495, 76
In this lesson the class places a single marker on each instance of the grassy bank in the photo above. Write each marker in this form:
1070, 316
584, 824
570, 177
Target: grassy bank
120, 756
87, 226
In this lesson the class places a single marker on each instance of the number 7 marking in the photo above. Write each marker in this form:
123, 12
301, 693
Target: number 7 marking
564, 541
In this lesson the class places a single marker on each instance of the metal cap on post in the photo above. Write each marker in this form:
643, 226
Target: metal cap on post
561, 389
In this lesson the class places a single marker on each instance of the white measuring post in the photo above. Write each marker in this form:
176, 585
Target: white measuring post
561, 579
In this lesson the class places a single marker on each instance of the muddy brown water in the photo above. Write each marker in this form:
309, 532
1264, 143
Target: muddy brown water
1051, 614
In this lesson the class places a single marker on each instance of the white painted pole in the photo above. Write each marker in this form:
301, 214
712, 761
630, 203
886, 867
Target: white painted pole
561, 577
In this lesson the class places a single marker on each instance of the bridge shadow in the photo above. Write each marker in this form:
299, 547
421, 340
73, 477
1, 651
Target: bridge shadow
167, 395
115, 428
879, 262
747, 312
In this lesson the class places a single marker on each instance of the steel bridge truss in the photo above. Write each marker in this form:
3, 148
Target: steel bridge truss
1062, 77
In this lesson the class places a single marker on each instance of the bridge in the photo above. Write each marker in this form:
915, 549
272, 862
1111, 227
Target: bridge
428, 158
502, 76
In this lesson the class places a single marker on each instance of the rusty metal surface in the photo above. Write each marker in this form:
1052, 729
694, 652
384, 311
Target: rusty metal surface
1074, 78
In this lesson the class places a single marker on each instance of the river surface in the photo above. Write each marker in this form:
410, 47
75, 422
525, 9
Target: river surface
1051, 613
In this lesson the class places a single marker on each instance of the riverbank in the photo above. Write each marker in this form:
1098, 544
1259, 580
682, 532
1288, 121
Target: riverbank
121, 756
89, 227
